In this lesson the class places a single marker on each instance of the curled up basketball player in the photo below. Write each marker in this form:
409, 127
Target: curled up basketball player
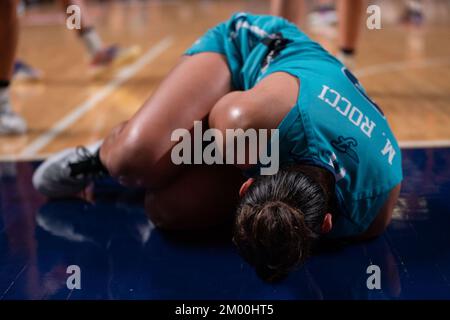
334, 168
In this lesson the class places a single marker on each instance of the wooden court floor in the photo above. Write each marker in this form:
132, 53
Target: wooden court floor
406, 69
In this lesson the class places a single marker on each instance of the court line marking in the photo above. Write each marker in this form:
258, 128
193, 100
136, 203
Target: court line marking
122, 76
417, 144
13, 282
400, 65
363, 72
18, 157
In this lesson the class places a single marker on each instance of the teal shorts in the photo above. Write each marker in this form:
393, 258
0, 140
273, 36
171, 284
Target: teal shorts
334, 124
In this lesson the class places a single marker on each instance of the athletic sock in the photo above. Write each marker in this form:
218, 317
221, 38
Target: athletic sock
5, 104
92, 40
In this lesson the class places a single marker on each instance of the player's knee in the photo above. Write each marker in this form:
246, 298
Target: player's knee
233, 111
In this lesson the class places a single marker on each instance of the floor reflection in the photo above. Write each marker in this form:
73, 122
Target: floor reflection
122, 255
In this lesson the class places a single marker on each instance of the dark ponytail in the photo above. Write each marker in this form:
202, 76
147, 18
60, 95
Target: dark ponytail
279, 218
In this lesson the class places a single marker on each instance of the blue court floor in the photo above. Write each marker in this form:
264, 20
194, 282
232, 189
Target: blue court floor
122, 256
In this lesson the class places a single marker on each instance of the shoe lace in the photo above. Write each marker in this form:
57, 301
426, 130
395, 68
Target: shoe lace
87, 164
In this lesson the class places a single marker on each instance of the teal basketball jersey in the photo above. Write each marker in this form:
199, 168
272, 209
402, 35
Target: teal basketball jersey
334, 124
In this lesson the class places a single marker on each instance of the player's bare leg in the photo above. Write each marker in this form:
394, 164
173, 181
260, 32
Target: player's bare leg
138, 152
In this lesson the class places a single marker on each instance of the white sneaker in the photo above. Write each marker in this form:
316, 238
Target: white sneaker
67, 172
12, 123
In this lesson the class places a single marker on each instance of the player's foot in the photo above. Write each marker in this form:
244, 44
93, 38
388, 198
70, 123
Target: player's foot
322, 21
25, 72
112, 57
413, 14
11, 123
323, 16
68, 172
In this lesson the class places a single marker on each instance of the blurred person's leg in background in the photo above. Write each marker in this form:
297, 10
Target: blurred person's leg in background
292, 10
10, 122
349, 21
350, 14
101, 55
